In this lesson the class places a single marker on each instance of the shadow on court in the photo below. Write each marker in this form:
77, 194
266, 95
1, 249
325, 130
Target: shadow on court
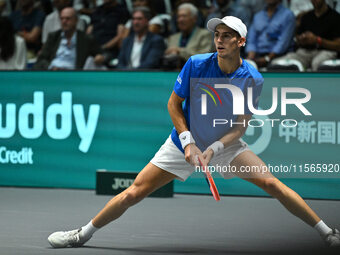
196, 251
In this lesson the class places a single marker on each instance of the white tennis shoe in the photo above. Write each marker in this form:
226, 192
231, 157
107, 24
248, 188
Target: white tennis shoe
63, 239
333, 238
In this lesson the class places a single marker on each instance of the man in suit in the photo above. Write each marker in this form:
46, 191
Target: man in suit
141, 49
68, 48
52, 22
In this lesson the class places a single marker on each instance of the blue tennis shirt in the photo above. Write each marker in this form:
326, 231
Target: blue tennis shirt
199, 76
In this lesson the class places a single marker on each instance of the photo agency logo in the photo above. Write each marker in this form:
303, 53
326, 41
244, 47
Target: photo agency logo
239, 102
216, 103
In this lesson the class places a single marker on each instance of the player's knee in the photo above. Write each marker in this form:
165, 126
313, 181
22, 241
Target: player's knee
133, 195
272, 186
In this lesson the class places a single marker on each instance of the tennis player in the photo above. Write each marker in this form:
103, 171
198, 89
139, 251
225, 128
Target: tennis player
178, 156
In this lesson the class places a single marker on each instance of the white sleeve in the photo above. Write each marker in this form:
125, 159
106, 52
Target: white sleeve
20, 54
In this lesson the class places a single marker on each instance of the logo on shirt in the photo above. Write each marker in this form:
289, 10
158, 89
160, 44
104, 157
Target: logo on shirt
179, 80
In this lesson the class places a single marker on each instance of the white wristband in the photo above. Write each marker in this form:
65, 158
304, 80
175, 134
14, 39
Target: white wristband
217, 147
186, 138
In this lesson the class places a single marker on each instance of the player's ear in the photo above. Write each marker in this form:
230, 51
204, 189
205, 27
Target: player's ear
241, 41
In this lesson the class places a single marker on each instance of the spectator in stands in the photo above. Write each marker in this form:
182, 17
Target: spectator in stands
230, 8
299, 8
141, 49
252, 7
158, 24
318, 37
52, 21
191, 39
12, 47
107, 24
68, 48
271, 33
27, 22
200, 17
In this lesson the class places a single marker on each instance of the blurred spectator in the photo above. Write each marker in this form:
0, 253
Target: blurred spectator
27, 22
107, 24
200, 17
318, 37
251, 7
12, 47
230, 8
68, 48
271, 33
52, 21
300, 7
141, 49
158, 24
5, 7
190, 40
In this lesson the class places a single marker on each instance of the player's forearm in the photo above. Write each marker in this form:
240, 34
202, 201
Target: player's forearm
232, 136
237, 131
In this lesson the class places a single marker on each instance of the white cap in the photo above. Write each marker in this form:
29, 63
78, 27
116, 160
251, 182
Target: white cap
230, 21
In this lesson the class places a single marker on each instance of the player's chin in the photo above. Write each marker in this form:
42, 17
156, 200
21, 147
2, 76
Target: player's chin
222, 53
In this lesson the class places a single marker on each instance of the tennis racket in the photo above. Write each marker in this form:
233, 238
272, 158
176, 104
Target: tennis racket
210, 181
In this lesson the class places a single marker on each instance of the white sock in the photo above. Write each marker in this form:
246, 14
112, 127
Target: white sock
322, 228
88, 230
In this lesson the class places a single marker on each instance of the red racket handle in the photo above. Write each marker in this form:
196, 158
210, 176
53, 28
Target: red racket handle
211, 182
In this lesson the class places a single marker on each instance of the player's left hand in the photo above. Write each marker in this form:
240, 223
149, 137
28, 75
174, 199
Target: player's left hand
207, 156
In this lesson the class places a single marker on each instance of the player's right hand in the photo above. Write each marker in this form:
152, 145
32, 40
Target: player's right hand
191, 152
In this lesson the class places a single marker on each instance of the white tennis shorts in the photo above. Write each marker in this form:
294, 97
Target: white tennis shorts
172, 160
